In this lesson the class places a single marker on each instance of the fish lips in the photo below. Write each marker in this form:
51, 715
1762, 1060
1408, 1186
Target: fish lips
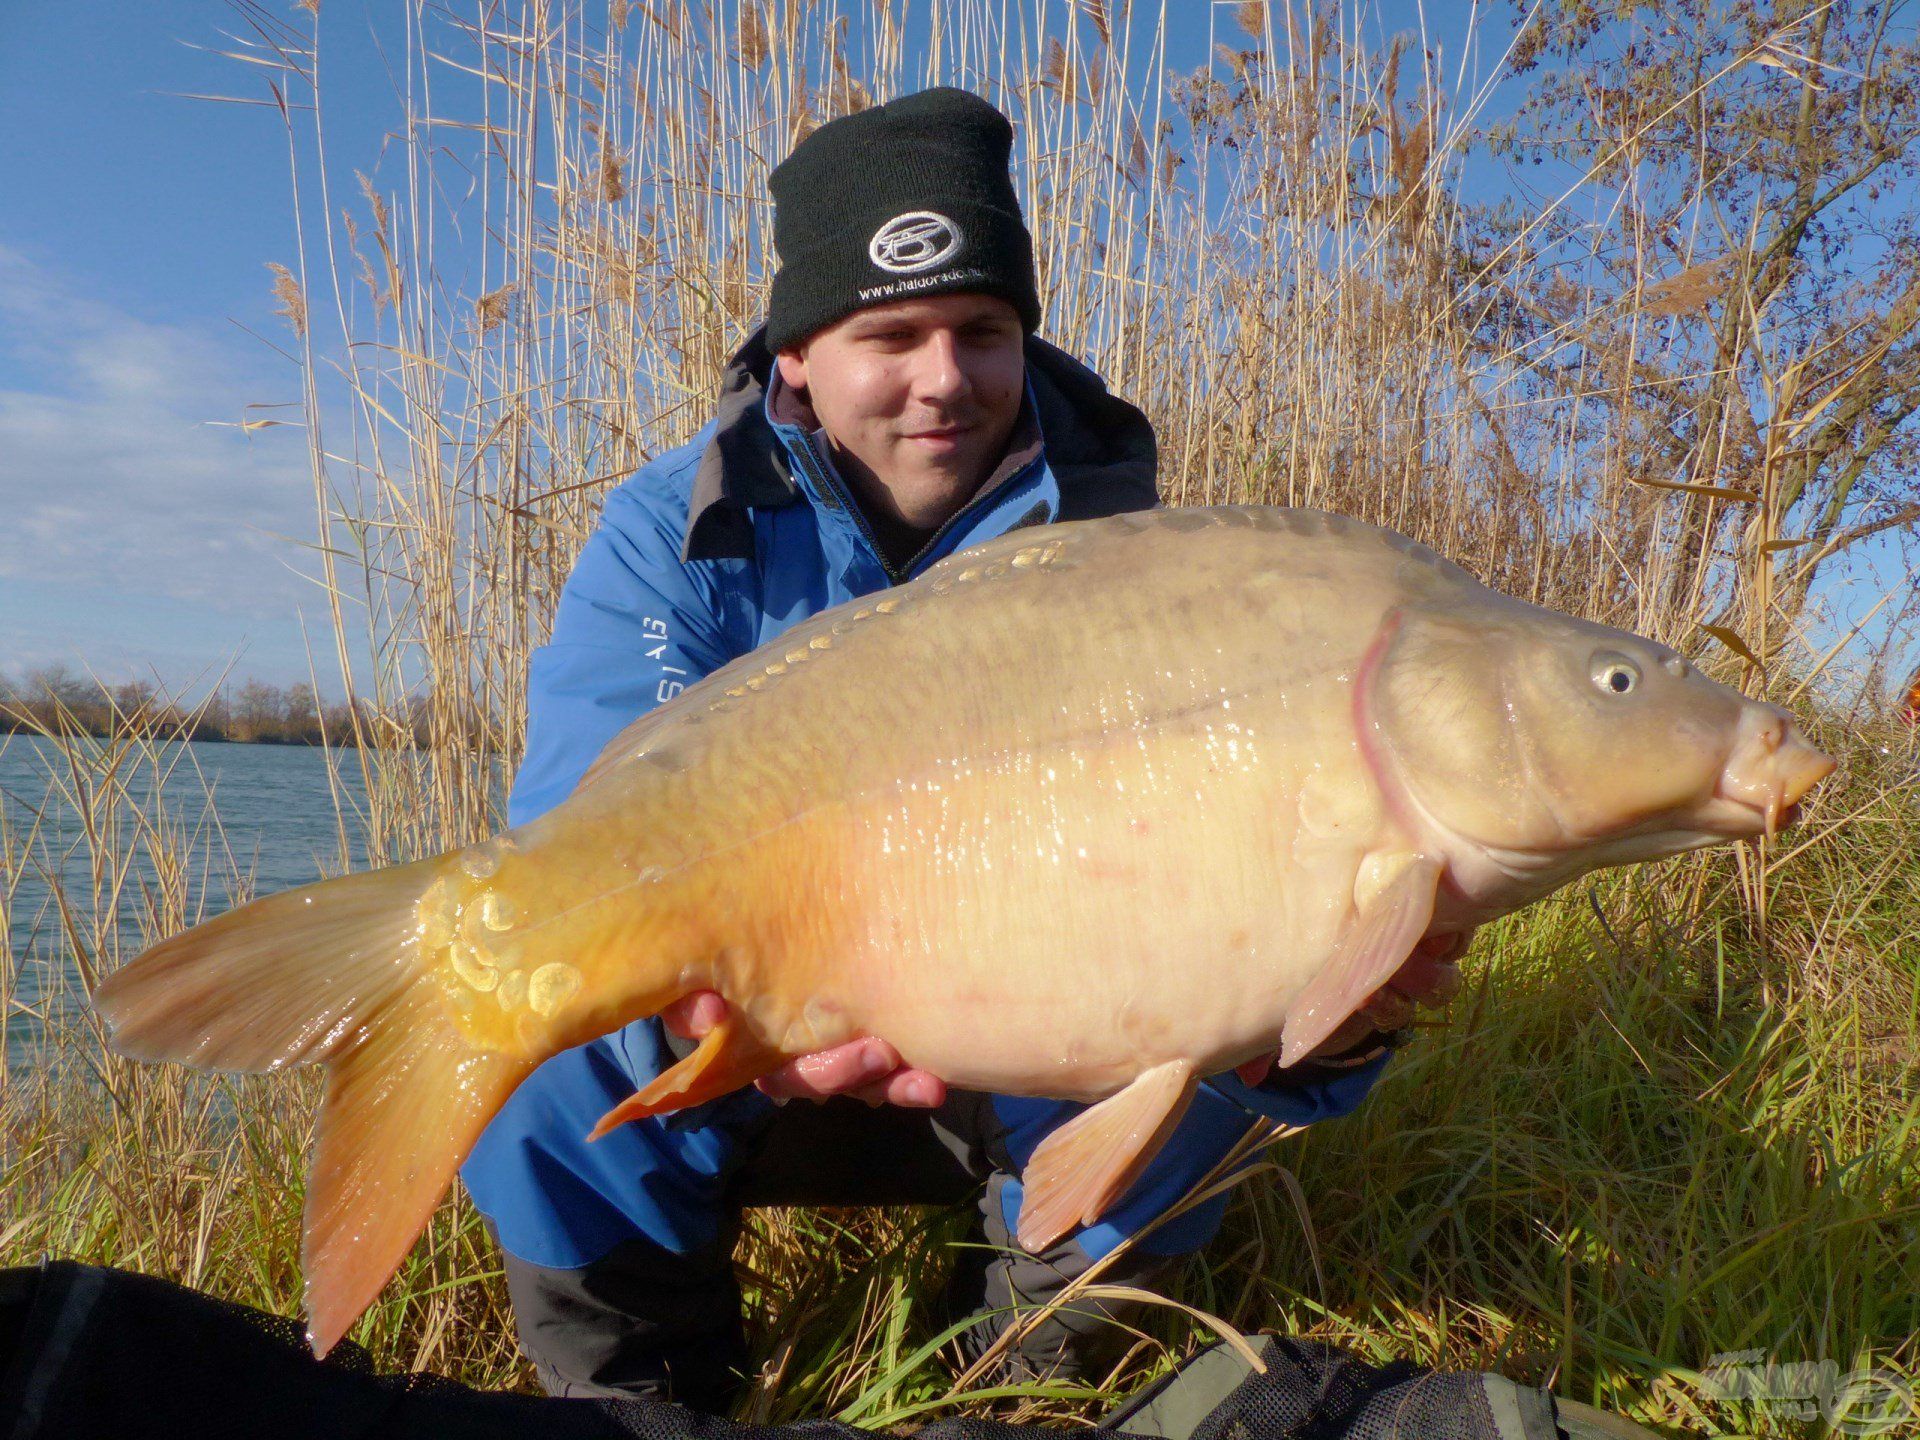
1772, 768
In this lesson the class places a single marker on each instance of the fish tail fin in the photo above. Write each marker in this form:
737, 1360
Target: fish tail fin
330, 973
405, 1103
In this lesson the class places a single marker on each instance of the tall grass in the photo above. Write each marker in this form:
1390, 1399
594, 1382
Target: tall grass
1672, 1116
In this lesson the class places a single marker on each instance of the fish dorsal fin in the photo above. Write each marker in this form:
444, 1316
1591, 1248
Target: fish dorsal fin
1393, 907
630, 743
1085, 1166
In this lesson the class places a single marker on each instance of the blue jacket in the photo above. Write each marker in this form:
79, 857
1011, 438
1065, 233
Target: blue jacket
705, 554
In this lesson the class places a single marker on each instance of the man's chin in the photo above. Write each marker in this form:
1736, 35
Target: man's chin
931, 488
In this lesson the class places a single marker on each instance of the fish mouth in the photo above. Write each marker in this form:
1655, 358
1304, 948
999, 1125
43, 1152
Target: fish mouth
1770, 771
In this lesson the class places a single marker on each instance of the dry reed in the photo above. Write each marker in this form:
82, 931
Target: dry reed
1674, 1118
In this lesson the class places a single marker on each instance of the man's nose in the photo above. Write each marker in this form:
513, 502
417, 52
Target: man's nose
938, 375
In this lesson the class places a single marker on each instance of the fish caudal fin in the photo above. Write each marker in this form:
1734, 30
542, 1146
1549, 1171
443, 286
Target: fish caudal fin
1082, 1169
727, 1057
405, 1103
287, 980
330, 973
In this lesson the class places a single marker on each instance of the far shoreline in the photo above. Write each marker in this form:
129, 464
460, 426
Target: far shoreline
206, 735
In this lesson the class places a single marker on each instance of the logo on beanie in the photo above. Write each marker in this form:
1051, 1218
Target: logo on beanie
915, 241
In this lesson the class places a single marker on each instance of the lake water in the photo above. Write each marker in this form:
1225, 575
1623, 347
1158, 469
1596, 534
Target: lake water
276, 818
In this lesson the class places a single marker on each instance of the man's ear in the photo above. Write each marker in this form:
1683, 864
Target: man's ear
793, 368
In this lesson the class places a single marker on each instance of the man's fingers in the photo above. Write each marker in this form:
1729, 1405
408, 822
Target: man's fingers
1443, 949
914, 1089
1388, 1009
692, 1016
832, 1072
1252, 1072
867, 1068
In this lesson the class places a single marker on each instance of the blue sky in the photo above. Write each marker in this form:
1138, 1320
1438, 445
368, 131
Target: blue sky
144, 531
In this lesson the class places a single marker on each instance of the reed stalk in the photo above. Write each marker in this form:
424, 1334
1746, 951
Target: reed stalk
1673, 1113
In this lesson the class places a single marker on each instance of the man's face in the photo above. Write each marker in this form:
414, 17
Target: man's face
919, 398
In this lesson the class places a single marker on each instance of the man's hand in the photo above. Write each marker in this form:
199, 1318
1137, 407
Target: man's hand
868, 1069
1429, 979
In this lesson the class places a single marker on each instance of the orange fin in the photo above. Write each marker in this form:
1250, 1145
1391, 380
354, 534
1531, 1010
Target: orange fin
330, 973
403, 1107
1088, 1164
287, 980
1387, 924
727, 1057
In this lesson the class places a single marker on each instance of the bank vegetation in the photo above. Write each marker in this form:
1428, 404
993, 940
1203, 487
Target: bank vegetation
1621, 309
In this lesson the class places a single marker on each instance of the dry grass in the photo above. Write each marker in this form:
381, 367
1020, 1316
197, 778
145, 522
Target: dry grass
1683, 1118
1640, 1139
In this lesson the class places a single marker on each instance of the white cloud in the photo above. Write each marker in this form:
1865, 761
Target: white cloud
119, 481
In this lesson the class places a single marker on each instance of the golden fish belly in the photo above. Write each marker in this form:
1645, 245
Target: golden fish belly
1058, 920
1114, 856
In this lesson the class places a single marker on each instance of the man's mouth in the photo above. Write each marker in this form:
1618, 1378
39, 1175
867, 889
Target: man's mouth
942, 434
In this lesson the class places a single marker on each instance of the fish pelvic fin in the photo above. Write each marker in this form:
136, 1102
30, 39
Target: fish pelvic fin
1082, 1170
727, 1057
1393, 907
333, 974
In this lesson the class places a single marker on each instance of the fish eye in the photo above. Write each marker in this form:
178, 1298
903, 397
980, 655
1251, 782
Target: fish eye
1614, 673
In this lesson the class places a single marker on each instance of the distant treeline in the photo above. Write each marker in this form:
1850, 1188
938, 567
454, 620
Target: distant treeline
55, 700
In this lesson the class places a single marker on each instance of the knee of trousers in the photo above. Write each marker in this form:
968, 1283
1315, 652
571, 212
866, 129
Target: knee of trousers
1077, 1333
638, 1321
559, 1201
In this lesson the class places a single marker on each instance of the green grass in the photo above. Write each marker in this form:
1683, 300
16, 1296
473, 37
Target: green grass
1637, 1140
1675, 1113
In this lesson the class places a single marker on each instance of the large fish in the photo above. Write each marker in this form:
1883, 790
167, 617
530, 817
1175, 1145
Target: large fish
1086, 812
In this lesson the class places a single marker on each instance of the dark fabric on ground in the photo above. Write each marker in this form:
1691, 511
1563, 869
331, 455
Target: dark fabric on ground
646, 1320
88, 1352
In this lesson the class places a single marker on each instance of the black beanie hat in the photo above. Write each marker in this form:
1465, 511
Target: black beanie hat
906, 199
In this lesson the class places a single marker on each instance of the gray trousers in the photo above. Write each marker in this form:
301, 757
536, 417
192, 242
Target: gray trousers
643, 1320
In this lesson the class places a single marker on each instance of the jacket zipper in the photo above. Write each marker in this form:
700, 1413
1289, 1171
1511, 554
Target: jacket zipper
983, 501
831, 480
828, 480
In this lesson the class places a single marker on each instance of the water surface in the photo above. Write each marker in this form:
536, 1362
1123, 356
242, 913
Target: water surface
249, 819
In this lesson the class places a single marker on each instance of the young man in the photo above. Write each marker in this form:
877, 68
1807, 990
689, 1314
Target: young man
896, 409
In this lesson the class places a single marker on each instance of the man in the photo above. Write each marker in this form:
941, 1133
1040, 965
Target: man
895, 409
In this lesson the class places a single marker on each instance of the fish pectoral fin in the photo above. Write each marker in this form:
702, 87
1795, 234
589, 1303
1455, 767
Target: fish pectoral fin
1392, 911
1084, 1167
727, 1057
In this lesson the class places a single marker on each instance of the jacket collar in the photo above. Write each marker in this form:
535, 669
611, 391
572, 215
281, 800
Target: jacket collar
1100, 448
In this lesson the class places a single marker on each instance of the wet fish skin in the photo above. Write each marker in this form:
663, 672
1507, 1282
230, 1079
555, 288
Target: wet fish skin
1084, 812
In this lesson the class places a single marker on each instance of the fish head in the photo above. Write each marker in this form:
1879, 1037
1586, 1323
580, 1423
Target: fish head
1556, 744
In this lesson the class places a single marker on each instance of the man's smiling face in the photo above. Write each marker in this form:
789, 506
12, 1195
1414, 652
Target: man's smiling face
918, 397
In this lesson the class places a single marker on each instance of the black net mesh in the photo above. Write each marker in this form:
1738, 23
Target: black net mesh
1314, 1391
89, 1352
